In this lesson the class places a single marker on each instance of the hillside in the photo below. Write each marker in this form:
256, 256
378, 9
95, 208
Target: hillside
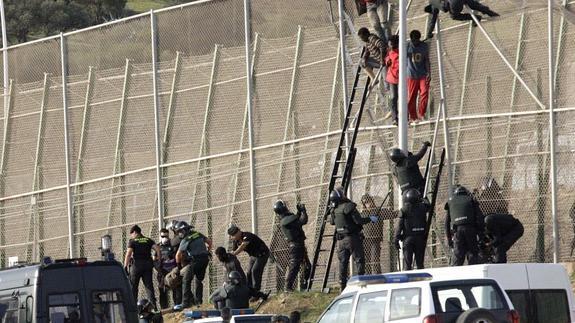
139, 6
311, 305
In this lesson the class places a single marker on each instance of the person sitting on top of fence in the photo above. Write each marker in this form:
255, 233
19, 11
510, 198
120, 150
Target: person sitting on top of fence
454, 7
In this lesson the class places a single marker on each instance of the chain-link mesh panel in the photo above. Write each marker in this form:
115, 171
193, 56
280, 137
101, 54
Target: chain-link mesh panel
496, 129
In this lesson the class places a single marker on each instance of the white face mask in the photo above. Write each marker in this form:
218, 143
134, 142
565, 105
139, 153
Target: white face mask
164, 240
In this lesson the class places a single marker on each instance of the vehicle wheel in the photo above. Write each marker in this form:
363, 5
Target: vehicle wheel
476, 315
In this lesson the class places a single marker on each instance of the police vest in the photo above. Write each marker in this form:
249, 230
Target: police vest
415, 220
461, 210
292, 230
196, 244
408, 176
343, 218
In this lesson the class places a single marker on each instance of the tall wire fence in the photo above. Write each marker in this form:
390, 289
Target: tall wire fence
495, 127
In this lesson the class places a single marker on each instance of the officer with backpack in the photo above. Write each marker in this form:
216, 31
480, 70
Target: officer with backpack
411, 228
464, 227
192, 257
348, 226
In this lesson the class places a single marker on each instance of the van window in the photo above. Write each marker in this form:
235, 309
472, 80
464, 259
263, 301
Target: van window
64, 308
520, 300
461, 297
108, 307
405, 303
9, 312
552, 306
338, 312
371, 307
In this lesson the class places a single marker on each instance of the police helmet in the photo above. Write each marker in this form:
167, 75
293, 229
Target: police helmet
396, 155
412, 196
336, 196
181, 226
460, 190
280, 207
234, 277
144, 305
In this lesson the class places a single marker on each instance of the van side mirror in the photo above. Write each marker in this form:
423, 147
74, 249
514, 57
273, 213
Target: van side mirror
29, 309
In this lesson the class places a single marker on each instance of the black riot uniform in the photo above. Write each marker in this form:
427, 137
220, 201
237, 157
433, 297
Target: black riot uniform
348, 226
503, 230
406, 170
234, 294
292, 228
454, 7
166, 263
411, 229
197, 258
465, 221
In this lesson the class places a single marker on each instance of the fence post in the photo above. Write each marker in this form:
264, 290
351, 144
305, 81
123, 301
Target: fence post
70, 208
159, 191
249, 88
552, 135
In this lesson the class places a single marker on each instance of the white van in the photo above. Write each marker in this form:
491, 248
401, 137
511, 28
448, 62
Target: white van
541, 293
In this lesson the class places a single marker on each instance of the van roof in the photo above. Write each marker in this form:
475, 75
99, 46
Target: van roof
509, 276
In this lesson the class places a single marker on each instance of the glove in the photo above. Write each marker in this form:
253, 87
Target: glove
301, 207
427, 143
373, 218
397, 246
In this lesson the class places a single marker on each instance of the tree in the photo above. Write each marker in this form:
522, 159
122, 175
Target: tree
47, 17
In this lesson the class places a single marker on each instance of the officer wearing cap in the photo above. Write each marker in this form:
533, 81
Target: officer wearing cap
256, 249
193, 257
411, 228
464, 226
139, 264
406, 168
292, 229
348, 225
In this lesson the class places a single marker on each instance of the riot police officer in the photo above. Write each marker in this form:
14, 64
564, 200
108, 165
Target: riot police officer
167, 263
192, 257
411, 228
147, 314
234, 294
348, 225
503, 231
464, 215
139, 263
406, 170
292, 229
256, 249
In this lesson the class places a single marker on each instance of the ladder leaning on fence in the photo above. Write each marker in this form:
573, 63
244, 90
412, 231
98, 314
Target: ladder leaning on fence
344, 159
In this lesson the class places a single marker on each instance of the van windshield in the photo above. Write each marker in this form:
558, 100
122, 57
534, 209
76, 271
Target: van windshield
461, 297
9, 310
